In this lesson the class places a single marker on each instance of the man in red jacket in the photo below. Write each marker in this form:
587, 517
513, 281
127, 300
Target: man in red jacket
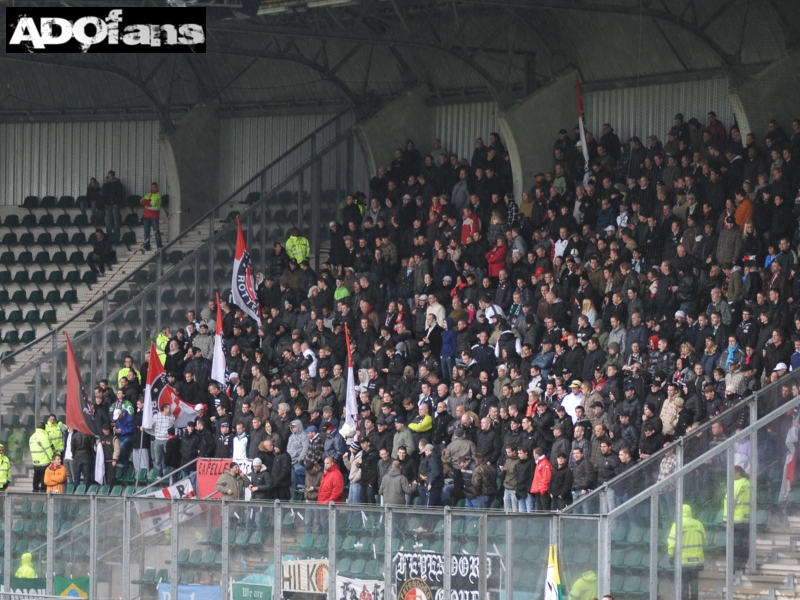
332, 486
541, 479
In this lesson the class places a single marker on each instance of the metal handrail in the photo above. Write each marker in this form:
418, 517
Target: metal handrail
202, 219
656, 458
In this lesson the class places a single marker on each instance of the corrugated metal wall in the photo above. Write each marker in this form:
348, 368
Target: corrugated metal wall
57, 159
651, 109
248, 144
458, 125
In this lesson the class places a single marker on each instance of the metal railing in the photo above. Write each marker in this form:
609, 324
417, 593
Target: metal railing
270, 177
200, 273
646, 471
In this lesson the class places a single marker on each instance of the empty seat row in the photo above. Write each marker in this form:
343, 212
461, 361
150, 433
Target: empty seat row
67, 202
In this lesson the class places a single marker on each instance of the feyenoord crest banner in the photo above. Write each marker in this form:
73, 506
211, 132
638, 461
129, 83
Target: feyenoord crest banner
243, 284
158, 392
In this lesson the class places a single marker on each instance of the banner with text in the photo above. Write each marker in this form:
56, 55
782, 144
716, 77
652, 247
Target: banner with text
241, 590
420, 576
25, 589
305, 576
190, 592
209, 470
156, 516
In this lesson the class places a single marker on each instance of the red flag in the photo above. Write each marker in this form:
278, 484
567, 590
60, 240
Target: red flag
158, 392
79, 409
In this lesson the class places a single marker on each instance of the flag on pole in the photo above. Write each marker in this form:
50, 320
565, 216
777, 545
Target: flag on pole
582, 132
158, 392
79, 409
552, 586
219, 369
351, 406
99, 464
243, 283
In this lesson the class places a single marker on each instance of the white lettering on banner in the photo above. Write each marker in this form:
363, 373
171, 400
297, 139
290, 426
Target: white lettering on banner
428, 567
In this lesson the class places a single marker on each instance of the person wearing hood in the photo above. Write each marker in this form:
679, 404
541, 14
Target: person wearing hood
331, 486
692, 556
232, 483
25, 569
395, 487
297, 448
123, 429
585, 588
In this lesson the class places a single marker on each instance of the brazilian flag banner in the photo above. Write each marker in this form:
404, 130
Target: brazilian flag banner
71, 588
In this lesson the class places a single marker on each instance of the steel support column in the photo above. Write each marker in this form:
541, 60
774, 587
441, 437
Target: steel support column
603, 550
482, 558
93, 556
126, 549
8, 507
277, 587
448, 528
754, 470
49, 568
653, 544
226, 546
331, 551
387, 549
729, 527
173, 567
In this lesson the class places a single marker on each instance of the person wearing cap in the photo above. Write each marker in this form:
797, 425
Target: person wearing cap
232, 483
262, 488
224, 441
573, 399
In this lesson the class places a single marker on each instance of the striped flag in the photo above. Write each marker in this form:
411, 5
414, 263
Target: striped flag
582, 132
351, 406
219, 370
552, 586
243, 283
158, 392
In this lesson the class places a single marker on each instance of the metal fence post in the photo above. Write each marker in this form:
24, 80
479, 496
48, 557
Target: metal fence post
509, 556
277, 582
93, 361
173, 567
678, 562
729, 532
603, 550
159, 289
482, 558
263, 262
211, 286
387, 550
50, 544
332, 516
126, 549
104, 358
448, 527
143, 315
93, 523
653, 545
226, 546
8, 505
754, 470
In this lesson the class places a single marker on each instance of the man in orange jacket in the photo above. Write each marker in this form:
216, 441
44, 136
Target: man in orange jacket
55, 476
541, 480
331, 487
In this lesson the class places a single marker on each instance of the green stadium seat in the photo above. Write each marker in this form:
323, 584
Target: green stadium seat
36, 297
3, 312
25, 257
79, 238
46, 221
131, 220
80, 490
208, 559
10, 239
61, 239
27, 336
148, 578
175, 257
19, 297
133, 201
81, 221
28, 221
11, 337
129, 238
89, 278
42, 258
15, 316
72, 277
7, 258
48, 202
30, 202
231, 217
104, 490
59, 258
252, 198
66, 202
64, 221
186, 578
93, 489
44, 239
70, 296
116, 491
38, 277
49, 316
33, 317
12, 221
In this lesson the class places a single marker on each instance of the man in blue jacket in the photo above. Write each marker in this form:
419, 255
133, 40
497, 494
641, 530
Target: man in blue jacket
123, 429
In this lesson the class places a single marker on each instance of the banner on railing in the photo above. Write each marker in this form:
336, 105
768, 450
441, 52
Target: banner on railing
305, 576
190, 592
209, 471
362, 589
23, 588
156, 516
77, 587
420, 575
242, 590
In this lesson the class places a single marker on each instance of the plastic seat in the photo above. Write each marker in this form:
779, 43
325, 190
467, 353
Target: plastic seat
70, 296
10, 239
28, 221
38, 277
46, 221
81, 221
42, 258
25, 258
64, 221
58, 258
148, 578
33, 317
77, 258
79, 238
61, 239
66, 202
30, 202
49, 316
19, 297
48, 202
129, 238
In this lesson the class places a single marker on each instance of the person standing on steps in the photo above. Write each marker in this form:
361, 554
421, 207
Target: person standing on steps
297, 247
692, 557
41, 456
5, 469
152, 214
113, 196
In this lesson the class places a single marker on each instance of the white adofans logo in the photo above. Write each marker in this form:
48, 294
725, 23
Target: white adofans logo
55, 31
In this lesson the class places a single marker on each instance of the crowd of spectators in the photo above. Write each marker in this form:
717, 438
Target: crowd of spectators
521, 353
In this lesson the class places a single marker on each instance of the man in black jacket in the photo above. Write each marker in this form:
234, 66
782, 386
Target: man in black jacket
113, 196
561, 484
525, 499
102, 253
189, 444
281, 472
206, 445
488, 444
607, 467
261, 486
583, 478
